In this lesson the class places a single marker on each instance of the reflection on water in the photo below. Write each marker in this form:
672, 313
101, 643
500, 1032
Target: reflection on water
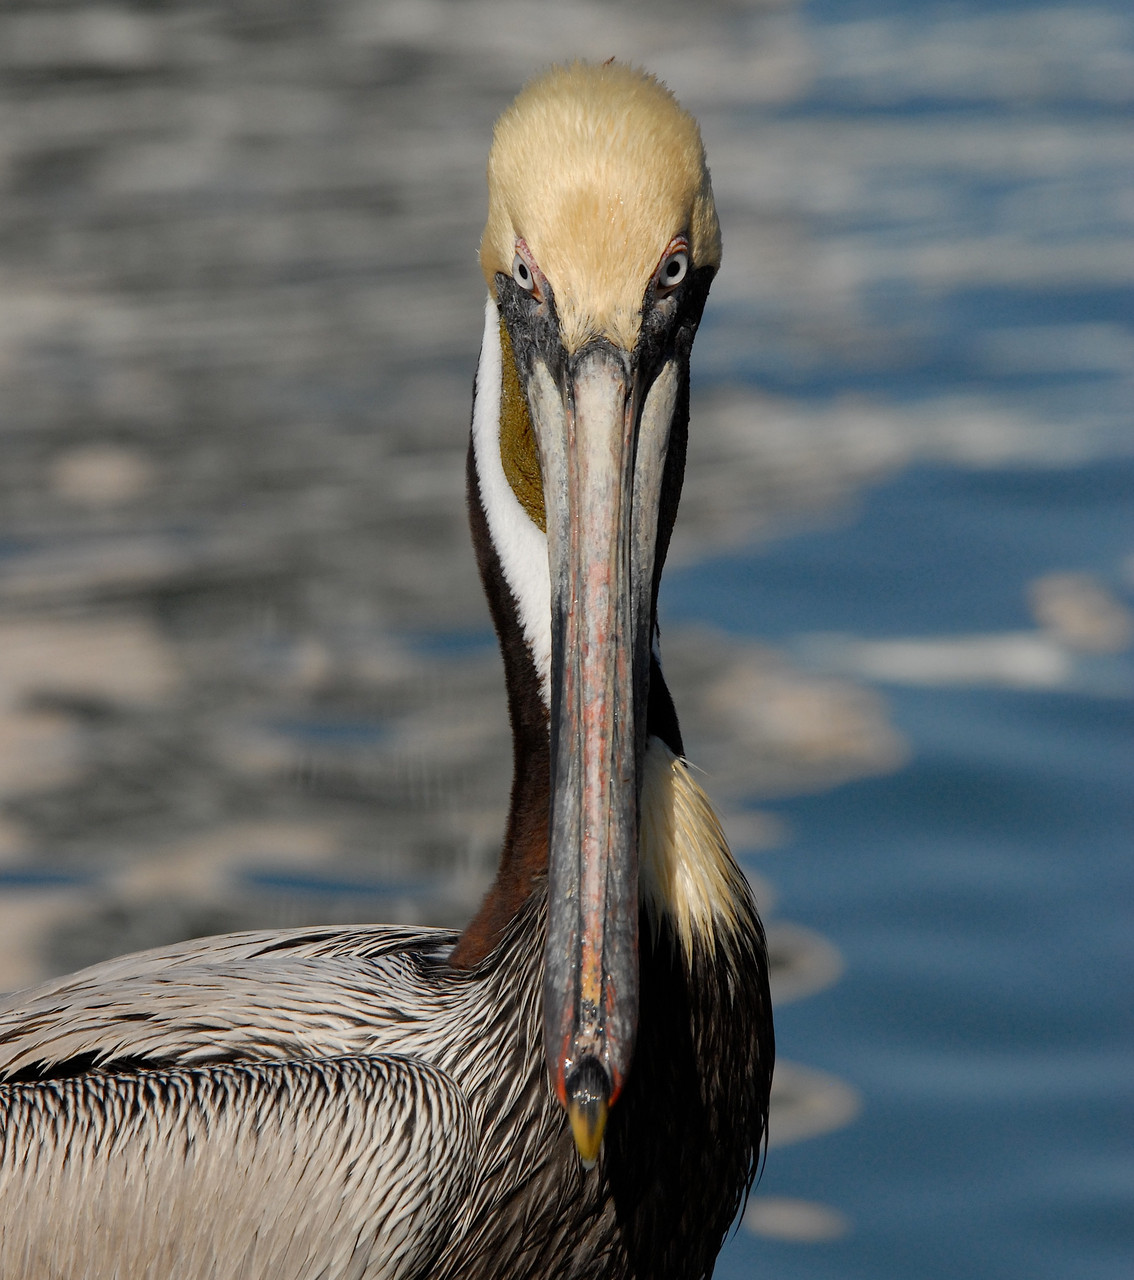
246, 675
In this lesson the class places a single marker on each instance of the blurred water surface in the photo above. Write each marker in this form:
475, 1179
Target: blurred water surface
246, 675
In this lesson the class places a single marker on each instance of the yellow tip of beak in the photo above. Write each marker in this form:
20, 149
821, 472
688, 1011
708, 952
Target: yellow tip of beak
588, 1123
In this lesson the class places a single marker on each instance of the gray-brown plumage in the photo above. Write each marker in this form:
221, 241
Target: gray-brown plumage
578, 1084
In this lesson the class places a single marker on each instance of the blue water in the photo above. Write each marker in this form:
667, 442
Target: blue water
982, 896
936, 550
984, 900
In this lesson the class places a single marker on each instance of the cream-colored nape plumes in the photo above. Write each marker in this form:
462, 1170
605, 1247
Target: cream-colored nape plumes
597, 169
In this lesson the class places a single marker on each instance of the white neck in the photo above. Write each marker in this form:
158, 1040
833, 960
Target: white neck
518, 540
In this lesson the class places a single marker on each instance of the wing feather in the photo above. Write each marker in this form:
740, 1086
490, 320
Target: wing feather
304, 993
353, 1168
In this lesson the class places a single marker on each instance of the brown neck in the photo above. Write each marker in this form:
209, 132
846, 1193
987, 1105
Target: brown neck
524, 856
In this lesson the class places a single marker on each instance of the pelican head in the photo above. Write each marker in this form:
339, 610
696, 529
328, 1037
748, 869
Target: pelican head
601, 242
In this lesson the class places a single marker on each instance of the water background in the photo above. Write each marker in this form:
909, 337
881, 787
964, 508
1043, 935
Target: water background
981, 896
245, 673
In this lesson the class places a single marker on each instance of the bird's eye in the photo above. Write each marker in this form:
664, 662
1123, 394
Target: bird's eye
522, 274
674, 268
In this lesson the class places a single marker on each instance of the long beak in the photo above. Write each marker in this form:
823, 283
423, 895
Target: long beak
602, 455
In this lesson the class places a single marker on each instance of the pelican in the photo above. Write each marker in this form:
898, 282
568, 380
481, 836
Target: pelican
577, 1084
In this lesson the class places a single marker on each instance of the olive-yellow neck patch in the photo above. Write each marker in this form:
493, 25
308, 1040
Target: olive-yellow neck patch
687, 874
519, 455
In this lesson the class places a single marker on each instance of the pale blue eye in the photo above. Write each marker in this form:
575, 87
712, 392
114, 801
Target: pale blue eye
522, 274
673, 270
